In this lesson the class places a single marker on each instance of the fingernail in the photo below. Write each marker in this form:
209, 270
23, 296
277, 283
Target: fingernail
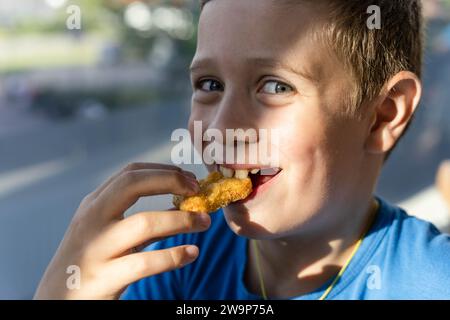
189, 175
195, 186
203, 219
192, 251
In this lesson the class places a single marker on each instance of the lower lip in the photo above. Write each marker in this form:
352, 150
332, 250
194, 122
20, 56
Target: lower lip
260, 189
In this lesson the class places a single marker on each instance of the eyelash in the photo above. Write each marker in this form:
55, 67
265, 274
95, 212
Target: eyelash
199, 83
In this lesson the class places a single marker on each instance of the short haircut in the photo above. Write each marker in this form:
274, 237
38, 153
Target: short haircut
372, 56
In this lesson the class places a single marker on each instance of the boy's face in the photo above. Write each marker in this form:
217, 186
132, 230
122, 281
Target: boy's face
258, 66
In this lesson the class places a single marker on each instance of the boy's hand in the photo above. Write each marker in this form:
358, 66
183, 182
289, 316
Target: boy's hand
105, 246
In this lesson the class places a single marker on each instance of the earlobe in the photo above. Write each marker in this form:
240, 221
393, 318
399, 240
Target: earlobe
393, 111
380, 137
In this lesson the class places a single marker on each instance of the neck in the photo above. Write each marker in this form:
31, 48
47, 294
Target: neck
309, 261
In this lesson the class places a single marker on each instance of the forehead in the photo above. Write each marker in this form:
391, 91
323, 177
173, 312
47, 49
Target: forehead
233, 31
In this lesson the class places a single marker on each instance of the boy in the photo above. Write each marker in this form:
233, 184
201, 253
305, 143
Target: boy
341, 95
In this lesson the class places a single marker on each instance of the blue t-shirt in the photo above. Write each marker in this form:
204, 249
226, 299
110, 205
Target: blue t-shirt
401, 257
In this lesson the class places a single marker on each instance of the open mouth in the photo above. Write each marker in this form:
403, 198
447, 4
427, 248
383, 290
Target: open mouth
260, 176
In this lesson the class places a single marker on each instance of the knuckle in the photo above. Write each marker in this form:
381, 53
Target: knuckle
128, 177
79, 225
85, 209
132, 166
142, 224
87, 199
76, 223
189, 220
81, 216
175, 257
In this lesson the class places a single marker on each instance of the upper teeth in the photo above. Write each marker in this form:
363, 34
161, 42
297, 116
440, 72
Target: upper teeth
227, 172
243, 173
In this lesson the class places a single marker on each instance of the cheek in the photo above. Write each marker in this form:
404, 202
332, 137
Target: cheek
303, 137
203, 117
297, 148
191, 127
197, 116
308, 153
322, 157
306, 162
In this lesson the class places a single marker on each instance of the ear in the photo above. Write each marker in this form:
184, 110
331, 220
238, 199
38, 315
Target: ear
393, 111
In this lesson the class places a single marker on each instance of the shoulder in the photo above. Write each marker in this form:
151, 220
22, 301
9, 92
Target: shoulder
417, 236
420, 254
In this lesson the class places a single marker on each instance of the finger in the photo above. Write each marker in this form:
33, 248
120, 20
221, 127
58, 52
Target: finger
141, 247
133, 267
190, 173
138, 166
146, 227
126, 189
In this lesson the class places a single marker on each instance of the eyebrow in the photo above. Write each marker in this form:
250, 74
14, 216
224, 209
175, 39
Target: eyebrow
257, 61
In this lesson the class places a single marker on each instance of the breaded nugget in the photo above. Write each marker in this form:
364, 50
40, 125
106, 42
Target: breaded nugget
216, 192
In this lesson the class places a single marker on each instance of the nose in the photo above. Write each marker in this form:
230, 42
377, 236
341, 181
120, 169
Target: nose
233, 112
234, 121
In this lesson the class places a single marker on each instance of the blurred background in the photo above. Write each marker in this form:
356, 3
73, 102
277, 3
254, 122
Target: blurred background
87, 86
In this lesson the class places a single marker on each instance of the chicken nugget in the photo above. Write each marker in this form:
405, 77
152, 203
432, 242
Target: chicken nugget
216, 192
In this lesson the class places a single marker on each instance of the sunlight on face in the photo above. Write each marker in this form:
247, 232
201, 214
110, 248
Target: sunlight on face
257, 66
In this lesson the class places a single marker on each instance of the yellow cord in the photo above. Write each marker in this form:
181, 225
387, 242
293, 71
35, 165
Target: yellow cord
339, 275
335, 280
258, 268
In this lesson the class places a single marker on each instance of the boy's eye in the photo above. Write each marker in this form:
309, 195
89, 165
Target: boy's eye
276, 87
209, 85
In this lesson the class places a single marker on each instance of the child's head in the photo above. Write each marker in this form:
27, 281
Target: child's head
340, 94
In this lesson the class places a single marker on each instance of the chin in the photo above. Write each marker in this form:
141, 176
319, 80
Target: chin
265, 222
252, 223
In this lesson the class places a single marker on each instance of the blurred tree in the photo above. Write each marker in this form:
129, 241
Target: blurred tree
141, 23
93, 13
